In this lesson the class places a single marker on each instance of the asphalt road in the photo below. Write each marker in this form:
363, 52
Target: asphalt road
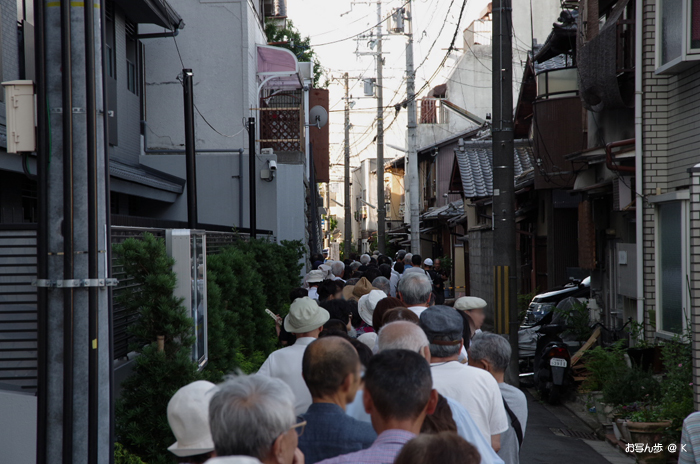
542, 446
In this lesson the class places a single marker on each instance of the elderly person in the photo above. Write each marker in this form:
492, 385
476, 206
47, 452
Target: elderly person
305, 320
313, 280
331, 370
474, 388
407, 260
396, 272
365, 307
415, 290
471, 309
254, 416
365, 259
398, 395
188, 417
382, 283
338, 269
409, 336
492, 353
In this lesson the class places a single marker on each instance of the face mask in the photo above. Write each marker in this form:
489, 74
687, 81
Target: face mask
352, 333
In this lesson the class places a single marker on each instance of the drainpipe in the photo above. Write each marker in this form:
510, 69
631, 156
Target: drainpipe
609, 155
638, 181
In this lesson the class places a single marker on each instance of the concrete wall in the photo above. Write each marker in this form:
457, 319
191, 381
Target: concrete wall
469, 83
364, 179
18, 427
481, 268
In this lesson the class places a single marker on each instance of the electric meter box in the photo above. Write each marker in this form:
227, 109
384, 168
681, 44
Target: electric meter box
21, 120
189, 250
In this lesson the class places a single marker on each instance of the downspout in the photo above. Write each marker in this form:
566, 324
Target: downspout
638, 181
610, 164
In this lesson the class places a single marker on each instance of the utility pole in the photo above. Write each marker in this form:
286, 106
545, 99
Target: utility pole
504, 262
348, 212
412, 155
253, 206
381, 211
190, 155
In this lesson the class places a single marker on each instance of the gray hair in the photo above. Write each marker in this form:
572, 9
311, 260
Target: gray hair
338, 267
354, 266
415, 288
401, 335
407, 258
492, 348
248, 413
383, 284
443, 351
365, 259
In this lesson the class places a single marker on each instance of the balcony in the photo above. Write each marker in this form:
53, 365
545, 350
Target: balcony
282, 121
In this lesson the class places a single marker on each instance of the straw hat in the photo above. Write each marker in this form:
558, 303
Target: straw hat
305, 315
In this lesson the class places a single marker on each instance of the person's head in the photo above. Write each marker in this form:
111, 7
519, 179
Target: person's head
384, 305
371, 273
353, 256
400, 314
188, 416
438, 264
354, 266
399, 267
474, 306
367, 304
338, 268
382, 283
414, 289
328, 290
428, 263
305, 318
314, 278
316, 264
383, 259
403, 335
385, 269
363, 351
365, 259
315, 257
400, 255
334, 325
441, 420
254, 416
373, 262
416, 260
490, 352
331, 369
338, 309
443, 327
407, 258
297, 293
398, 387
443, 447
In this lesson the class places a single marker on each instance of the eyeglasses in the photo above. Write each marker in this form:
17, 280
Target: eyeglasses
299, 426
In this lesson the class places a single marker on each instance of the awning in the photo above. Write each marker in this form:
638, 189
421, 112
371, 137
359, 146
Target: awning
144, 182
278, 68
157, 12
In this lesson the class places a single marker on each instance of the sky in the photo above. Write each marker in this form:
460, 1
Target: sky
329, 22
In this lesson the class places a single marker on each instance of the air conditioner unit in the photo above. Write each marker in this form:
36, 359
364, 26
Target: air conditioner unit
622, 192
267, 151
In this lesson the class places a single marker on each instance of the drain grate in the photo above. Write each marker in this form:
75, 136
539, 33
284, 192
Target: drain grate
573, 434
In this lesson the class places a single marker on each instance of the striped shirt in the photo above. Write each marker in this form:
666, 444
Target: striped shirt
689, 451
383, 451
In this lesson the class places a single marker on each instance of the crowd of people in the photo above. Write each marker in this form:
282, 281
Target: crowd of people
374, 369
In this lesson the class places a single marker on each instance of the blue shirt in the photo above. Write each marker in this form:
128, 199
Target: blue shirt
689, 450
383, 451
466, 427
330, 432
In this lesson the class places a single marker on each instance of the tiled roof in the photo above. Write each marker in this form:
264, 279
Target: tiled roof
475, 162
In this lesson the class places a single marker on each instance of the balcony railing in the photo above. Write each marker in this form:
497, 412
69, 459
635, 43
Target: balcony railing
282, 122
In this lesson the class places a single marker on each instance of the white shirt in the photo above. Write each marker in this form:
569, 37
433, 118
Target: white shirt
418, 310
476, 390
394, 282
285, 364
313, 293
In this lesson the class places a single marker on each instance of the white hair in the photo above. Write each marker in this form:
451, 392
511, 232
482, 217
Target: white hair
383, 284
493, 348
407, 258
248, 413
365, 259
402, 335
415, 288
338, 267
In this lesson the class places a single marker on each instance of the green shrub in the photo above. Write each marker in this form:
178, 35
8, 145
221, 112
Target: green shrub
631, 385
677, 400
603, 364
122, 456
141, 420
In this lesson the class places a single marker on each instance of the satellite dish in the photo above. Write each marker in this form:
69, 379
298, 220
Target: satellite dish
318, 116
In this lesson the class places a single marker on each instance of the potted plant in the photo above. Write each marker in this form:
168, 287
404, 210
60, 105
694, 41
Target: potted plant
648, 426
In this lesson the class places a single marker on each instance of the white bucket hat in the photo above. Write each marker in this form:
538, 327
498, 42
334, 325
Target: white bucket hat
233, 460
467, 303
314, 276
304, 316
367, 304
188, 416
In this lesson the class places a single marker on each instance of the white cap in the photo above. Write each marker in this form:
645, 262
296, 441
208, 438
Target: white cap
467, 303
428, 262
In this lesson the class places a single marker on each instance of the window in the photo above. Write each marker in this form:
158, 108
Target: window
671, 266
431, 111
677, 34
131, 58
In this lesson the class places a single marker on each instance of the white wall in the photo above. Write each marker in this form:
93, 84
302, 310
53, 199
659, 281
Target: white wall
18, 427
